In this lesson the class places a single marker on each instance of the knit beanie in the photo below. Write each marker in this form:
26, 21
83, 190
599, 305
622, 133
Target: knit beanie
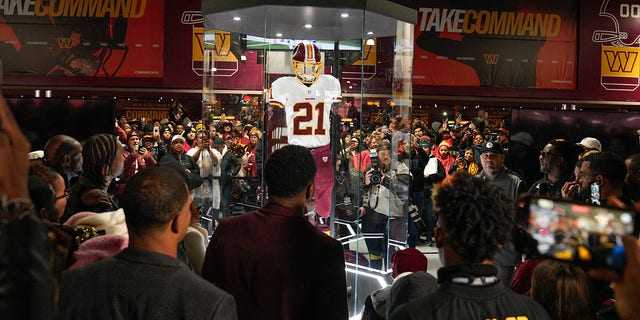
408, 260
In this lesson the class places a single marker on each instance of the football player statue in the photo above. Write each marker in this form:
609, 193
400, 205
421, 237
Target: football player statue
307, 100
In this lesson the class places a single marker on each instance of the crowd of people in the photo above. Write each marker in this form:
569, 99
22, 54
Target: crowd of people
111, 227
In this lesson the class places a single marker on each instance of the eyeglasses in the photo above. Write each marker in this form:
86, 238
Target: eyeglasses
64, 195
547, 154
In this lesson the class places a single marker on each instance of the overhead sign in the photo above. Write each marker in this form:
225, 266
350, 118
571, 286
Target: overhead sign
507, 44
99, 38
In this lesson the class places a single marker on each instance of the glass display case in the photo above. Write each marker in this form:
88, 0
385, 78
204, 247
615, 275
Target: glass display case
285, 72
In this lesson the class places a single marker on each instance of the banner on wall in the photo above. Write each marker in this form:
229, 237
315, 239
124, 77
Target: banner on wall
618, 37
99, 38
510, 44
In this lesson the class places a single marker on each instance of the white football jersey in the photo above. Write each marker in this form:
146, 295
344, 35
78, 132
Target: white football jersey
307, 109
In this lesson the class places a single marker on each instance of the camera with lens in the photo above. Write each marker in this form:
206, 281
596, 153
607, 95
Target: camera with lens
376, 174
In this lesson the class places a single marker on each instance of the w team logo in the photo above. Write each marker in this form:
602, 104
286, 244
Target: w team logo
65, 43
491, 58
619, 63
620, 68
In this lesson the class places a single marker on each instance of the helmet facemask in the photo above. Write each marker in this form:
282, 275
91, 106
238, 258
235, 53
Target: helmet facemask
306, 63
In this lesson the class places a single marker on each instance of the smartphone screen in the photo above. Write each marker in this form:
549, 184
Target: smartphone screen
595, 193
589, 235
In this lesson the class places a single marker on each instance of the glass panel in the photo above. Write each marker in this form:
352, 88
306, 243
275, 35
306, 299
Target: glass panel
262, 91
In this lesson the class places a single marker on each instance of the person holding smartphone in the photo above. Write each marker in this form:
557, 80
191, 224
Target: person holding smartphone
603, 174
465, 161
136, 157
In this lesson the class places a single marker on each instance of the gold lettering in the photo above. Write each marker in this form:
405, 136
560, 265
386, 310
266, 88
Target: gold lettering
469, 25
514, 23
483, 22
73, 8
40, 9
553, 28
540, 25
497, 22
526, 26
140, 9
56, 8
91, 7
107, 7
123, 7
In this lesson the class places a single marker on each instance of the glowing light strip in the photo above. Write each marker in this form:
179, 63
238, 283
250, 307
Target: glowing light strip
383, 283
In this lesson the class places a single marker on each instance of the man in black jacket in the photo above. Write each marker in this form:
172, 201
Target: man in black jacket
474, 217
177, 153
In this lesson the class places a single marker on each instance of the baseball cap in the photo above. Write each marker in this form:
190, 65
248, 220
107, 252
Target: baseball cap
591, 144
177, 137
490, 146
133, 133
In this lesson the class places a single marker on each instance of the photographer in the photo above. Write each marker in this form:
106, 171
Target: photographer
136, 157
385, 195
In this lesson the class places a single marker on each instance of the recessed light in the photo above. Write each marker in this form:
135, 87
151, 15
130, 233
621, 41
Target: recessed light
308, 26
279, 35
237, 18
344, 15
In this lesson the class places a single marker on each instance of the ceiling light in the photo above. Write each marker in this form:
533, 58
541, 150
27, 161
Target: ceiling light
370, 33
344, 15
308, 26
279, 35
237, 18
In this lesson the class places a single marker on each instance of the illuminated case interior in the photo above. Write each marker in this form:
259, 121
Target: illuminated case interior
366, 49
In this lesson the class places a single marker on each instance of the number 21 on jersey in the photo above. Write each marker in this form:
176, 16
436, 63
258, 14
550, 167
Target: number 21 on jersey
309, 119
